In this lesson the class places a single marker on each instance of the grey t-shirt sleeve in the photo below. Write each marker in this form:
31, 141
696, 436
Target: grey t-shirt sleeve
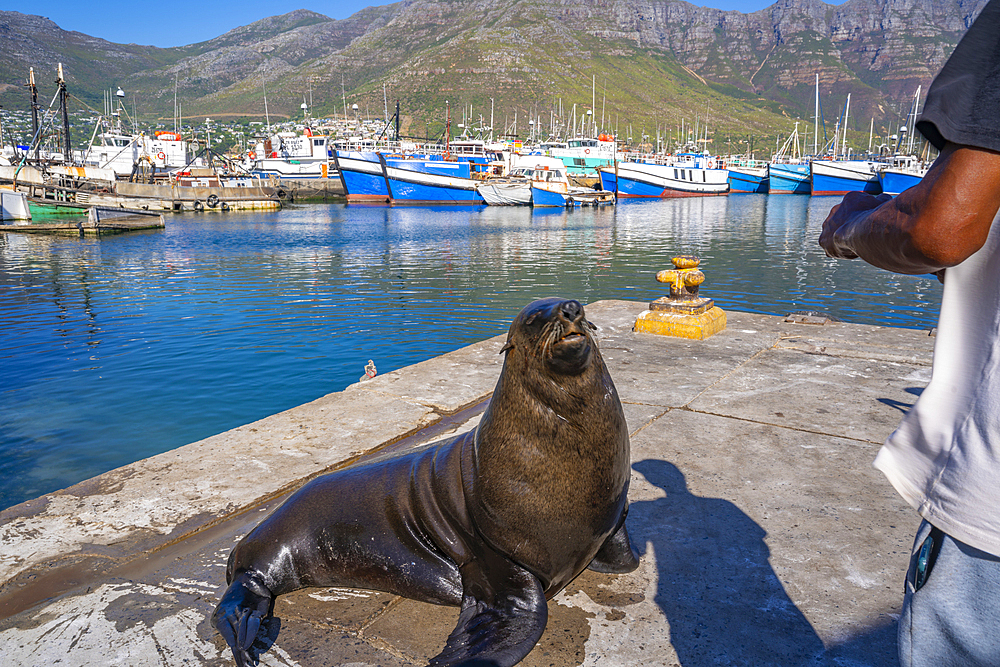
963, 103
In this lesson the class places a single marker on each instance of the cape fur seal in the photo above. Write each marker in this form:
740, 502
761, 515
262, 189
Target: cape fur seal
496, 520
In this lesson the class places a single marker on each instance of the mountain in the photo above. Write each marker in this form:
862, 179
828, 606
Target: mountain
653, 62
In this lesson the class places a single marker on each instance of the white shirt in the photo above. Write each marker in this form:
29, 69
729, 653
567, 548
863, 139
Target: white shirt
944, 458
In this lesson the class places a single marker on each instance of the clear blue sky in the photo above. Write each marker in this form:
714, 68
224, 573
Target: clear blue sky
183, 22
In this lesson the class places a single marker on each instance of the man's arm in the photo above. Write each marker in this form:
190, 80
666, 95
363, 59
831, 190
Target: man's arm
936, 224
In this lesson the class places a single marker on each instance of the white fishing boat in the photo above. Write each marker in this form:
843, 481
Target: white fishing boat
838, 177
292, 155
683, 175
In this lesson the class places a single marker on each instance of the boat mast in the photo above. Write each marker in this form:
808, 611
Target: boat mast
593, 102
913, 123
344, 95
816, 121
34, 107
67, 145
267, 117
847, 110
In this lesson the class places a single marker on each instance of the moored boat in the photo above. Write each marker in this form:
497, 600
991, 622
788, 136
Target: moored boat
838, 177
685, 175
789, 178
902, 173
748, 175
430, 181
550, 187
362, 176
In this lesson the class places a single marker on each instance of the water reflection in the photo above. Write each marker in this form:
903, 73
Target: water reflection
120, 347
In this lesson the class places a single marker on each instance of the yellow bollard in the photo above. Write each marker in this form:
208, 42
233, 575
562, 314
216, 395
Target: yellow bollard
682, 314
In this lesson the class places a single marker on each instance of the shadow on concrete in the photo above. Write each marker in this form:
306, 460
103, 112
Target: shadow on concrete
899, 405
724, 603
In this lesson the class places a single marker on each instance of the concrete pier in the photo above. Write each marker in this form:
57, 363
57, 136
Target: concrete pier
766, 536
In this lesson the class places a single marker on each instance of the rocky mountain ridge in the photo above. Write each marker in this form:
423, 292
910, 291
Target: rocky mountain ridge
654, 61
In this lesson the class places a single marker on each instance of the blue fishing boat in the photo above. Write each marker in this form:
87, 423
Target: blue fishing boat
430, 181
788, 170
747, 175
362, 176
789, 178
895, 178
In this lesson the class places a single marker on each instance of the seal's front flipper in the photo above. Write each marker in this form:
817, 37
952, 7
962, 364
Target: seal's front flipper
616, 555
244, 606
503, 615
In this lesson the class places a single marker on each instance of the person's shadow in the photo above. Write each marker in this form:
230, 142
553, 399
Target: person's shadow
722, 599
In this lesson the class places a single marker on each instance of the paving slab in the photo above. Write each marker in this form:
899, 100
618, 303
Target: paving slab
766, 536
853, 397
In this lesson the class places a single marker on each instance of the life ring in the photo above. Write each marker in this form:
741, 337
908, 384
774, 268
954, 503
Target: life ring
213, 200
711, 164
161, 156
252, 155
198, 206
586, 151
224, 206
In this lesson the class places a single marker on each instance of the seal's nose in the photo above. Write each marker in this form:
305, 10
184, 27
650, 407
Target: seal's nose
571, 310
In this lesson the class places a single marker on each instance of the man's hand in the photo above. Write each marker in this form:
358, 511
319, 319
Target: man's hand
854, 205
938, 223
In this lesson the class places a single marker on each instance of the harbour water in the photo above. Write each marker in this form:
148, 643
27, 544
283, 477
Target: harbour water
115, 348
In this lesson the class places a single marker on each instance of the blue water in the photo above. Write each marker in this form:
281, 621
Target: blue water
119, 347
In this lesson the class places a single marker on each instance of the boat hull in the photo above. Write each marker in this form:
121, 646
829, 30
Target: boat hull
748, 179
362, 176
542, 197
894, 181
789, 179
431, 182
838, 177
640, 180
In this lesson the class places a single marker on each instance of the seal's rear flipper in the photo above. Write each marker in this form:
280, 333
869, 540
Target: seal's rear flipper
245, 604
616, 555
503, 615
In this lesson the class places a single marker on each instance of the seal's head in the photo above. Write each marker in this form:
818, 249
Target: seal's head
554, 332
